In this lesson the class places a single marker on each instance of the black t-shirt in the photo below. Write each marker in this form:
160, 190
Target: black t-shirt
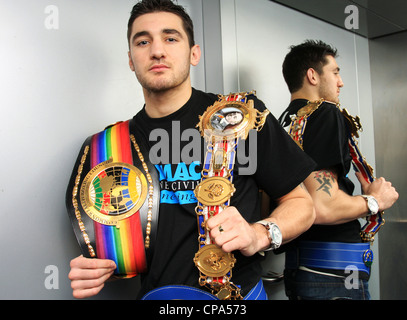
325, 140
281, 166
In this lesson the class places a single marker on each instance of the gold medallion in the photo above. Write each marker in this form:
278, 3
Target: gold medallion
231, 119
212, 261
113, 191
214, 191
226, 118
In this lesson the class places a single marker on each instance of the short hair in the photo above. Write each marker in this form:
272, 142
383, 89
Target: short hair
309, 54
151, 6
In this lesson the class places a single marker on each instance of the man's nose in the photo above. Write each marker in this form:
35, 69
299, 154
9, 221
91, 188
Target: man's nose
157, 50
340, 83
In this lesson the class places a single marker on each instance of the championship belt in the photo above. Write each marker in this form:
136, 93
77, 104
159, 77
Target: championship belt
296, 131
299, 121
112, 200
222, 125
373, 222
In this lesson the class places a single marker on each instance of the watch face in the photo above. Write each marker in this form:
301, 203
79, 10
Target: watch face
373, 205
276, 235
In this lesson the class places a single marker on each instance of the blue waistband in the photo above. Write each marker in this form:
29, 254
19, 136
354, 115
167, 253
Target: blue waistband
330, 255
180, 292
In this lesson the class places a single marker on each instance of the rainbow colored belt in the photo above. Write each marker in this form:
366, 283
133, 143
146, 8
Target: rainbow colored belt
124, 245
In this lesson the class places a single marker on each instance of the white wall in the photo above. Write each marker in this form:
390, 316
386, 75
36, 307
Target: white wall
256, 37
57, 86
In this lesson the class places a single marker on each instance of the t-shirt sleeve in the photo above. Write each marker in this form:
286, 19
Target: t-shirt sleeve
281, 164
325, 138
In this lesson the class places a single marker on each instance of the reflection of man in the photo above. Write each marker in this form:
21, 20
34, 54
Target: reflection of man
316, 266
161, 51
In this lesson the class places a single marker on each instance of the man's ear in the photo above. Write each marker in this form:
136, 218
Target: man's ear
131, 62
312, 76
195, 55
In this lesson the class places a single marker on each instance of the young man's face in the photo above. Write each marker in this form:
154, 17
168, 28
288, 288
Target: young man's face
160, 54
330, 81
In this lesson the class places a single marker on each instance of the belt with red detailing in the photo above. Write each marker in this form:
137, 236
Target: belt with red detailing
296, 131
376, 221
299, 121
223, 124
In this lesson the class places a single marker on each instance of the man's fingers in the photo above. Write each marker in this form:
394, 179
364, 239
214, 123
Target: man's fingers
88, 263
91, 282
88, 274
88, 292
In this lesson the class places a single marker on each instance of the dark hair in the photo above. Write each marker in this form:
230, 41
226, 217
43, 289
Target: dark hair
151, 6
309, 54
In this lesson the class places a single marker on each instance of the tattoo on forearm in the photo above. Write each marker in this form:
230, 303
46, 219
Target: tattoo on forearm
325, 179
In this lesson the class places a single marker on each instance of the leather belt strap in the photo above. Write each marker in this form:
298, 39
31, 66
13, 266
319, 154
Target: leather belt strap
330, 255
179, 292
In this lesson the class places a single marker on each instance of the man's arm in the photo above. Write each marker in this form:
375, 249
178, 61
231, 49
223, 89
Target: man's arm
333, 206
294, 215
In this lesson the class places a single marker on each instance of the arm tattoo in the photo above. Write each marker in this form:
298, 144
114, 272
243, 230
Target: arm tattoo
325, 179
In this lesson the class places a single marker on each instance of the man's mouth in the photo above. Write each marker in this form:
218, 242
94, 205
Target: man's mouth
159, 68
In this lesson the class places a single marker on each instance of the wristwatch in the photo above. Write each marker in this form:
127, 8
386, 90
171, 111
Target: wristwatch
274, 234
372, 204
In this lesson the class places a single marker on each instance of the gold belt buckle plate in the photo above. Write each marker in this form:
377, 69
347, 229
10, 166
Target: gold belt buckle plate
214, 191
113, 191
212, 261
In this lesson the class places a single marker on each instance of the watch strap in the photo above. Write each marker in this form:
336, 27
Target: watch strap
268, 225
368, 198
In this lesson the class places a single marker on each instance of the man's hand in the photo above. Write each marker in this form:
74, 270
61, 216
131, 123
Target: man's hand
230, 231
88, 276
382, 190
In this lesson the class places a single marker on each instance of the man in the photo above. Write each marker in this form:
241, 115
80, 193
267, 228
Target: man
312, 73
161, 50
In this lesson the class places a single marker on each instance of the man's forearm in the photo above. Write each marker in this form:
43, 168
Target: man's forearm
294, 215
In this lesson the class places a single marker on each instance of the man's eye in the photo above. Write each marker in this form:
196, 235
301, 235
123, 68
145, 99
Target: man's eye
142, 43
